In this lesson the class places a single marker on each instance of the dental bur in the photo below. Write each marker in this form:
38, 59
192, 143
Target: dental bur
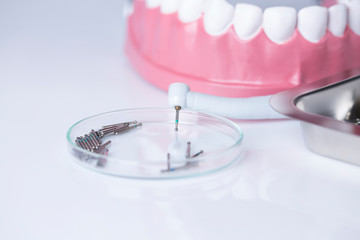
188, 150
197, 154
177, 108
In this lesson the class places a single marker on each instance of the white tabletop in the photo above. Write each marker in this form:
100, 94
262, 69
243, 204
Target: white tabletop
61, 61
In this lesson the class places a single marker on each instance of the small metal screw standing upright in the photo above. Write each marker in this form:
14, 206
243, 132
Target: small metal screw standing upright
168, 161
188, 150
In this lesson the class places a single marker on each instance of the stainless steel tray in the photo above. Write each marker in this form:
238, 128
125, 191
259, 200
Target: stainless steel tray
329, 111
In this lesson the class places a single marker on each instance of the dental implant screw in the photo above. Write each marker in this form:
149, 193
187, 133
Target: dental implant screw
177, 108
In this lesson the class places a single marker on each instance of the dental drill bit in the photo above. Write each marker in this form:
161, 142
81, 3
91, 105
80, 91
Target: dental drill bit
102, 147
118, 125
168, 162
188, 150
197, 154
168, 169
117, 128
177, 108
128, 128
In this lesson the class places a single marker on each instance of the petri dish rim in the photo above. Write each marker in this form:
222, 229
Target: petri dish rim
225, 121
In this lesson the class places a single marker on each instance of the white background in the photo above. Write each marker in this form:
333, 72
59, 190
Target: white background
61, 61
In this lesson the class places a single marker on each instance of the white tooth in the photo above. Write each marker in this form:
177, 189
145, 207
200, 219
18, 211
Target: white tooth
190, 10
153, 3
354, 16
169, 6
312, 23
337, 19
218, 16
247, 20
279, 23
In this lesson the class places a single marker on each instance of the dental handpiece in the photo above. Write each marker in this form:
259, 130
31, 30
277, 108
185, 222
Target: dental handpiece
179, 94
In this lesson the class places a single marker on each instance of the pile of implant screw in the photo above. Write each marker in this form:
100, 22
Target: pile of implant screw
92, 142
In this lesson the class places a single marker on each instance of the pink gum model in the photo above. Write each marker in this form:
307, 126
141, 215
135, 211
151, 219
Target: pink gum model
165, 50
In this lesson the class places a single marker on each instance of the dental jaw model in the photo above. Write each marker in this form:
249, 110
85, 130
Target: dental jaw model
241, 50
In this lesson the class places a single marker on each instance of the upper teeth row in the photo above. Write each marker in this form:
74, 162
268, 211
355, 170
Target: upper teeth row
278, 23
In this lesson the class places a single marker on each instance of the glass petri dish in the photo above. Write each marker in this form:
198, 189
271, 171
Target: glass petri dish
203, 144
